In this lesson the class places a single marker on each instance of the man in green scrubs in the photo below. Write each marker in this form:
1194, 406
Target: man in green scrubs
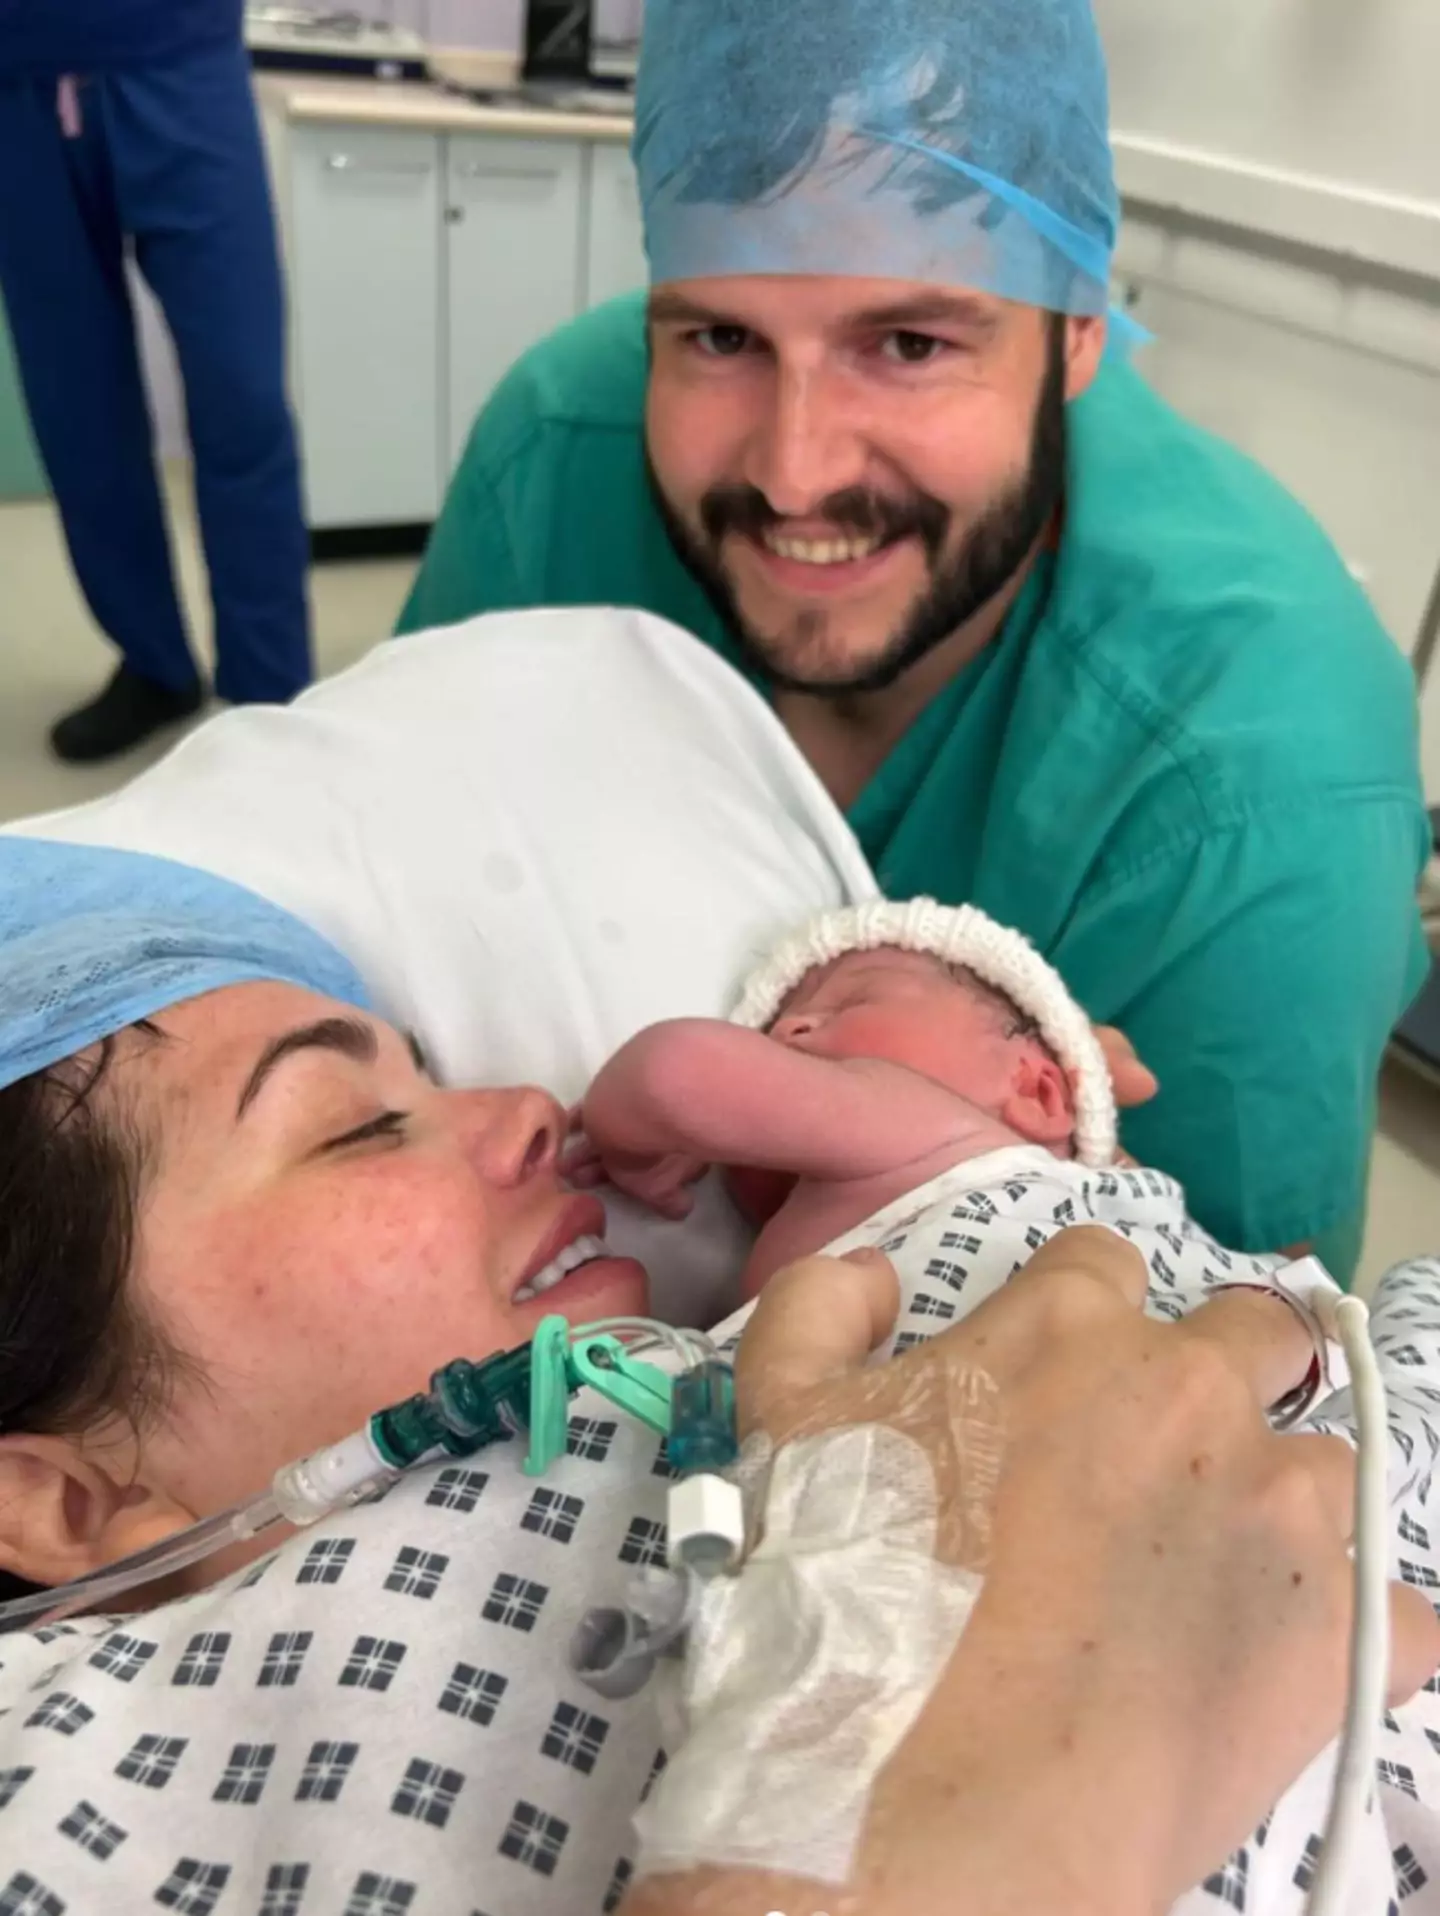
1054, 650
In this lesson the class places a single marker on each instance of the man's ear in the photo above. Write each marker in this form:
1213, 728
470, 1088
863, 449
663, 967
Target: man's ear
62, 1514
1041, 1105
1085, 339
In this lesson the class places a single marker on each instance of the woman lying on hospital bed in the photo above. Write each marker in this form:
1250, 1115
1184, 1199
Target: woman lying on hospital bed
380, 1716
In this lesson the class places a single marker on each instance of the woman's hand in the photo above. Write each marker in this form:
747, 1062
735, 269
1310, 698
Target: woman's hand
1160, 1647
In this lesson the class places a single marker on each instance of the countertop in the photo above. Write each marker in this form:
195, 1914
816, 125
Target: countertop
427, 108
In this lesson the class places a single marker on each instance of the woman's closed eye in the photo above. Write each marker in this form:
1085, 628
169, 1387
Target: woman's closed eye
389, 1124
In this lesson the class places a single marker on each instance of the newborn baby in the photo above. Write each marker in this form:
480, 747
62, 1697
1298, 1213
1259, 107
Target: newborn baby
876, 1051
922, 1083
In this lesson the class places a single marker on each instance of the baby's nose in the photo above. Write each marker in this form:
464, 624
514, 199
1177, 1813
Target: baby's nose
793, 1025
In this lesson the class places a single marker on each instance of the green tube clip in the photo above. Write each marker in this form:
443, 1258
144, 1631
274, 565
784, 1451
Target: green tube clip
638, 1389
557, 1371
550, 1388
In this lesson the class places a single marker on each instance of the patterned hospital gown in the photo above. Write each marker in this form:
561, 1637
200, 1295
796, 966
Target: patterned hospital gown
378, 1720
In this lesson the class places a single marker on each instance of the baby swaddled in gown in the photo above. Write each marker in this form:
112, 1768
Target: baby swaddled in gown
917, 1079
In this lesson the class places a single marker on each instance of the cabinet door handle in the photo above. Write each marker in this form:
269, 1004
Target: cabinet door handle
478, 170
399, 169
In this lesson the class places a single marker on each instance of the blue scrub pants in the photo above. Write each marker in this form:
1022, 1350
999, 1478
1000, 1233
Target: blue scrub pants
167, 161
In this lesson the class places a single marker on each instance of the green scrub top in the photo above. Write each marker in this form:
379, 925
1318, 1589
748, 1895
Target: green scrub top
1187, 768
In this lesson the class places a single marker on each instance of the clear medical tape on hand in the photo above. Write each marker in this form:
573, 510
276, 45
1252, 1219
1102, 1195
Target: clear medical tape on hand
804, 1674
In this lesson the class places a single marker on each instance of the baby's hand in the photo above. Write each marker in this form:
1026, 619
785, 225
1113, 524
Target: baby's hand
662, 1182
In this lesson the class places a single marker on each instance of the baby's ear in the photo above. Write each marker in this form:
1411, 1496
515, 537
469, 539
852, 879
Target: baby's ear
1041, 1105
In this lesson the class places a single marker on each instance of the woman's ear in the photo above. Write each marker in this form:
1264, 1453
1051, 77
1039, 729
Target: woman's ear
1041, 1105
62, 1514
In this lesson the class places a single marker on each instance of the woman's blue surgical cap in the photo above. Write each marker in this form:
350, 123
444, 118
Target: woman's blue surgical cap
959, 142
92, 940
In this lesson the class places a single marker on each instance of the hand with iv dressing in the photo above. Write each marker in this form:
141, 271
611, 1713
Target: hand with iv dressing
1159, 1647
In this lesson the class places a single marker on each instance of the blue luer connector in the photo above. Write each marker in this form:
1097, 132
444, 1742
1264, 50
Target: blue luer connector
702, 1419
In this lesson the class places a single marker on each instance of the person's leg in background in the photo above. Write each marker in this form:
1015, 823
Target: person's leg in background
194, 193
62, 275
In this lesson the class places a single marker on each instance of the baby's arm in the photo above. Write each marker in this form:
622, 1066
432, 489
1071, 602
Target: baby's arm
714, 1093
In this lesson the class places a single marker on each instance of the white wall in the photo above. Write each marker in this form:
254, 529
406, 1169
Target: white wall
1241, 125
1347, 90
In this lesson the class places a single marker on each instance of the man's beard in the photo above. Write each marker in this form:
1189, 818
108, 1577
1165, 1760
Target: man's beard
989, 557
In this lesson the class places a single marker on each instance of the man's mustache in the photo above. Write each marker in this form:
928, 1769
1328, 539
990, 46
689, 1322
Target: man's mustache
855, 512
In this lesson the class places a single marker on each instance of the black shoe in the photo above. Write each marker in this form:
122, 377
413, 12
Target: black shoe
126, 713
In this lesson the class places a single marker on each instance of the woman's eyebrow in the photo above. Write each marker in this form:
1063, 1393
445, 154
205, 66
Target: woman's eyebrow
351, 1037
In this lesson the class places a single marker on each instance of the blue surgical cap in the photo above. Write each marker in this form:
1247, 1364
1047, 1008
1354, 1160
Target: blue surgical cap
959, 142
91, 940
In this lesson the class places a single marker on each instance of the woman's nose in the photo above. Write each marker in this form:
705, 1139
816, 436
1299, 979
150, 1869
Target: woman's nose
517, 1134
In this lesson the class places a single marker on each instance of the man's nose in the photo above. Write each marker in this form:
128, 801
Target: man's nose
807, 448
515, 1134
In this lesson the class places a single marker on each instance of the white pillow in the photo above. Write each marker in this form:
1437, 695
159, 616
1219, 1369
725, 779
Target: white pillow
533, 834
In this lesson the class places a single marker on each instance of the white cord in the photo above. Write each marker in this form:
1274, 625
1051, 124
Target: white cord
302, 1493
689, 1347
201, 1540
1348, 1321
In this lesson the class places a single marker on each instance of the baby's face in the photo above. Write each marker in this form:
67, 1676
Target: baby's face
906, 1008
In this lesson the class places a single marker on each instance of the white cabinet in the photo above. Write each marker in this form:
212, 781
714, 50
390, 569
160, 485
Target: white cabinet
513, 262
423, 261
364, 232
616, 252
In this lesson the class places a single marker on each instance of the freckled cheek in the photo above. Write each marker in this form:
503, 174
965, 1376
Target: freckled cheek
336, 1265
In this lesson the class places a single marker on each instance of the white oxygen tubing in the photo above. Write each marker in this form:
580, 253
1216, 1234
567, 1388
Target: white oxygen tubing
301, 1493
688, 1347
201, 1540
1348, 1320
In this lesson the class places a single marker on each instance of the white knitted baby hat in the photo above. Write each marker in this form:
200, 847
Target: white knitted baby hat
958, 935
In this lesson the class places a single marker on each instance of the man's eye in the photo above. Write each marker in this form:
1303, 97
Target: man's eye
389, 1124
721, 342
913, 349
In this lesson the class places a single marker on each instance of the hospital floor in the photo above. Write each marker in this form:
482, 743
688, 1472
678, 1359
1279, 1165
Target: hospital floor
51, 657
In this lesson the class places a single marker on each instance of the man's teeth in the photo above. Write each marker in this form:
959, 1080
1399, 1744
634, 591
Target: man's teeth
821, 551
583, 1251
